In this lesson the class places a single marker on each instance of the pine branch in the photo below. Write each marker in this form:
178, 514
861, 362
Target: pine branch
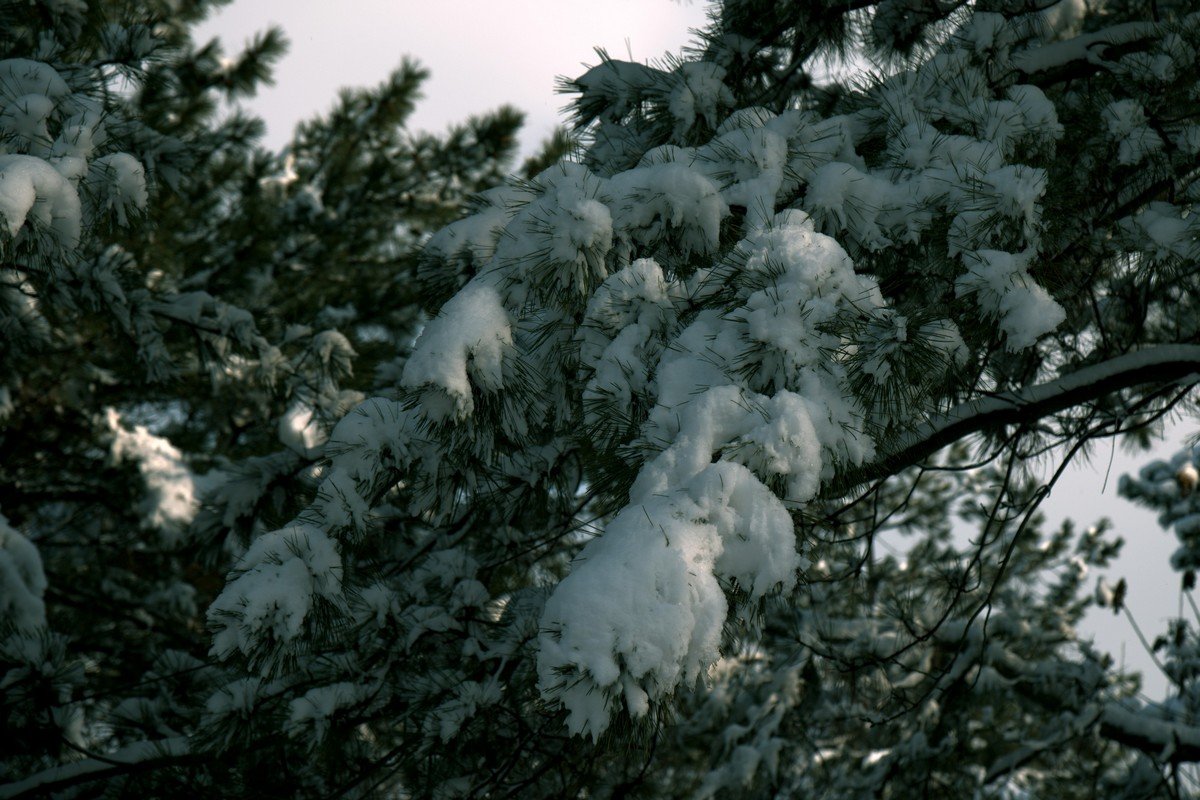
1163, 364
1081, 55
133, 758
1172, 742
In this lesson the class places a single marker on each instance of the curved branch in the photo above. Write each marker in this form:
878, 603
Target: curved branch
136, 757
1164, 365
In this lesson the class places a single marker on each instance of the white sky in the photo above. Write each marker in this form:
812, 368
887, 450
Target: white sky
485, 53
1084, 495
481, 53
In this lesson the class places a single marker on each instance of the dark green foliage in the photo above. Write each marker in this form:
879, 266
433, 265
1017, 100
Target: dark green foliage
251, 282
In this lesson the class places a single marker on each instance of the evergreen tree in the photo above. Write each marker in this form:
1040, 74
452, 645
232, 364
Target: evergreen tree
181, 312
712, 474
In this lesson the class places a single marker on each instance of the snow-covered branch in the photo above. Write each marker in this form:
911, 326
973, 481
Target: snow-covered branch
1163, 364
136, 757
1085, 49
586, 495
1162, 739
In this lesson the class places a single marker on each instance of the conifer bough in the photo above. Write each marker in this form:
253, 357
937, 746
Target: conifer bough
712, 473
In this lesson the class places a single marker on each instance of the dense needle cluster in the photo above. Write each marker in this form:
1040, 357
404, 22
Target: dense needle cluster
698, 462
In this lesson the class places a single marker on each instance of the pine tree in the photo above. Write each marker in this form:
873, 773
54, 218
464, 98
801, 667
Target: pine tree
181, 311
713, 473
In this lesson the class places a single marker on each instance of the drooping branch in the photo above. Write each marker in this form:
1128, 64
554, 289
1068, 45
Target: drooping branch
1162, 365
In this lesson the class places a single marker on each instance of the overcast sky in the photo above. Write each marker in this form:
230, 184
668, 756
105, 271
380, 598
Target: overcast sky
485, 53
1086, 492
481, 53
